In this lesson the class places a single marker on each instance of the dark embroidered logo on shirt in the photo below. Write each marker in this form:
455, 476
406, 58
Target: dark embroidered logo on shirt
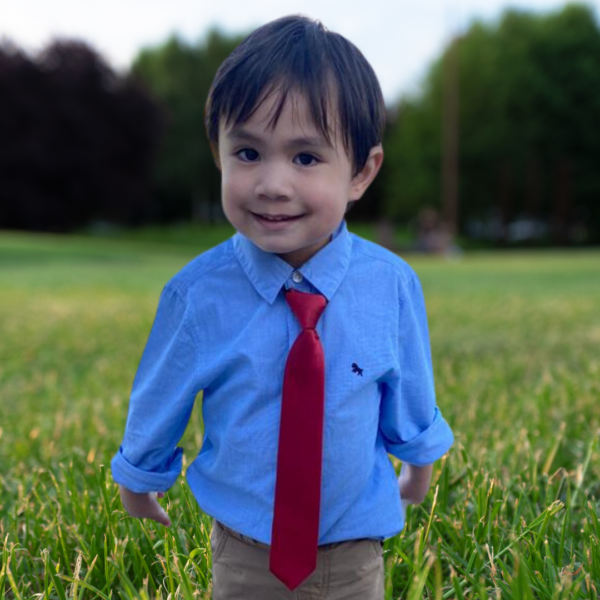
356, 369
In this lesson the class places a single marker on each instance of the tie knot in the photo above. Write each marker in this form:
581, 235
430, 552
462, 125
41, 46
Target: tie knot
306, 307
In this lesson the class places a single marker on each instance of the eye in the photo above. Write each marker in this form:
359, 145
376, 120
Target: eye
307, 160
247, 154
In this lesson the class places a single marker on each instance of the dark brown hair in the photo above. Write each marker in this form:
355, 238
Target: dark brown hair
297, 54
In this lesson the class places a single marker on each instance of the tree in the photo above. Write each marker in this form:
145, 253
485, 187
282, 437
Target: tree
179, 75
529, 110
76, 140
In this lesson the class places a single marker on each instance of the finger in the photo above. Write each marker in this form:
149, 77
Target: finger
162, 518
159, 514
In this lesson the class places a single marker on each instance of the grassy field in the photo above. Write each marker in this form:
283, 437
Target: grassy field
513, 510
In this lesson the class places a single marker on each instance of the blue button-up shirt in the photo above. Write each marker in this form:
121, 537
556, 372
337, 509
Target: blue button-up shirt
224, 327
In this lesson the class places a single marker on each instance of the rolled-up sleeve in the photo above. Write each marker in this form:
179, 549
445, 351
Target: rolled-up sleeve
412, 426
164, 389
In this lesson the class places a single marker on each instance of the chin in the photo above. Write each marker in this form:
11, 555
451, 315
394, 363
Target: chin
276, 248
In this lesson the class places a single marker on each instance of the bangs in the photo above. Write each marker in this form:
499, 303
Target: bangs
317, 96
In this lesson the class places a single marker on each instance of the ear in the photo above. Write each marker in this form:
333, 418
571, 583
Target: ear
362, 180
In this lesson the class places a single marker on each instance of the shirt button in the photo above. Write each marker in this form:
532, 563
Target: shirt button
297, 277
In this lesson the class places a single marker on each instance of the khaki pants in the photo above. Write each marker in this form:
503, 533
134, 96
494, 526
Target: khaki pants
350, 570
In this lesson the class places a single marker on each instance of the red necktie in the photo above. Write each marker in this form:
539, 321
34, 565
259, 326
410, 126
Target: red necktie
295, 534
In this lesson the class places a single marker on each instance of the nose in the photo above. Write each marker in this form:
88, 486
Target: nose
274, 182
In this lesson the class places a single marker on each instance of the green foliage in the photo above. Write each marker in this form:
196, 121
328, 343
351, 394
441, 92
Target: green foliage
180, 75
513, 510
529, 109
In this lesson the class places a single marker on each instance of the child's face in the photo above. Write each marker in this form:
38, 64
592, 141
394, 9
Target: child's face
286, 188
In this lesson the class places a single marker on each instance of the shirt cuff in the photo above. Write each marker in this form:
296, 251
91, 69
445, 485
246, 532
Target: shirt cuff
139, 481
427, 447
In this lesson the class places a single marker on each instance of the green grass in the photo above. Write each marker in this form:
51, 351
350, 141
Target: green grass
512, 512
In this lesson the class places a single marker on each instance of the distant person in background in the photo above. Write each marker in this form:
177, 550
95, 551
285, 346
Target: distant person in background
432, 233
309, 343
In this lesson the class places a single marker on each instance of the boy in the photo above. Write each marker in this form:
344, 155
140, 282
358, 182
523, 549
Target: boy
310, 344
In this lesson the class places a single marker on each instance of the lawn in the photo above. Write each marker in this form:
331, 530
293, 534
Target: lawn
512, 512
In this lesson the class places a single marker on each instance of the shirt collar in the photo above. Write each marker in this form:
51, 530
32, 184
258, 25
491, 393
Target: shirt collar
268, 273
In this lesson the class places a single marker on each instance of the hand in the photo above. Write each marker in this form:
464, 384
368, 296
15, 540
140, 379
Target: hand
414, 483
144, 506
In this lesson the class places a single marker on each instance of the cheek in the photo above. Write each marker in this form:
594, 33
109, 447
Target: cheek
330, 197
234, 187
320, 191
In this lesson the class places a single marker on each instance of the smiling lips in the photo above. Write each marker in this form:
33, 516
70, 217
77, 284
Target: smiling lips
276, 218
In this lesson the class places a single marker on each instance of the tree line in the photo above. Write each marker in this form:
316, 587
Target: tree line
80, 143
77, 141
529, 153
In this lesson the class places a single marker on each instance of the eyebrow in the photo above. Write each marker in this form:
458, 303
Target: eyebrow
241, 134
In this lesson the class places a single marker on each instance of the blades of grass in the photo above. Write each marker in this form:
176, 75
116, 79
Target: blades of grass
431, 514
389, 567
418, 547
516, 582
201, 568
493, 571
563, 533
76, 577
473, 576
552, 510
11, 580
56, 580
62, 546
47, 583
542, 531
148, 535
592, 544
457, 587
593, 518
586, 464
471, 561
562, 484
554, 449
4, 563
165, 563
444, 484
103, 485
71, 481
482, 592
420, 578
193, 509
86, 586
484, 501
497, 506
591, 588
454, 558
185, 583
407, 559
517, 514
550, 569
145, 566
447, 529
438, 577
466, 461
128, 587
110, 571
463, 571
87, 575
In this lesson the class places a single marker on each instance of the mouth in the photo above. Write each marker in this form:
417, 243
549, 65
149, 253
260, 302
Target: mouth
276, 218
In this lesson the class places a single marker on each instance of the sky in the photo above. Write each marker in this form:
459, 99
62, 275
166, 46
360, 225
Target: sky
400, 38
